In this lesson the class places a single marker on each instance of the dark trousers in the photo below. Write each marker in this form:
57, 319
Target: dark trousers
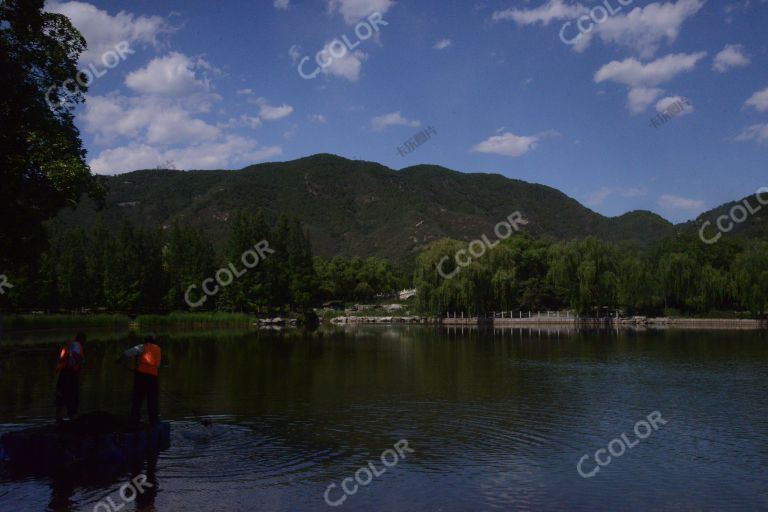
145, 386
68, 391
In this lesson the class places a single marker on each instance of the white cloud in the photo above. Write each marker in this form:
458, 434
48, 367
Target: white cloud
232, 152
673, 202
269, 113
599, 196
244, 120
347, 66
318, 118
172, 75
509, 144
684, 105
245, 92
759, 100
642, 78
636, 74
282, 4
442, 44
103, 32
379, 123
355, 10
545, 13
732, 56
757, 133
643, 29
175, 126
639, 98
153, 120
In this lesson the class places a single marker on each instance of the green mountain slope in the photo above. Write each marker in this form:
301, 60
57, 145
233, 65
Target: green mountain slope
359, 208
750, 208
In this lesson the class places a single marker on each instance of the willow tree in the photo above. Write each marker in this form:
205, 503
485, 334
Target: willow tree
42, 161
442, 285
750, 271
586, 272
679, 273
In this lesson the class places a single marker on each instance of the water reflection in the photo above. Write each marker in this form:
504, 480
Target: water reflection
498, 418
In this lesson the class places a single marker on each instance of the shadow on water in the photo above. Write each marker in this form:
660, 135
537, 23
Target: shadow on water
139, 486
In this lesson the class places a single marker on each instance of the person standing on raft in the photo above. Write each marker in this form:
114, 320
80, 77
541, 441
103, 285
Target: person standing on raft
145, 378
69, 368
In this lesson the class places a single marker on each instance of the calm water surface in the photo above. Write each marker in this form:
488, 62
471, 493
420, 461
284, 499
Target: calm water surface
498, 420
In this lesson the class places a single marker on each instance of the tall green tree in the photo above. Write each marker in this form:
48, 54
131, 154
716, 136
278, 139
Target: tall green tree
750, 270
253, 291
188, 259
42, 161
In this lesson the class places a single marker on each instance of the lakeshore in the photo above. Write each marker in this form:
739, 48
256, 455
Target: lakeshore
557, 320
205, 321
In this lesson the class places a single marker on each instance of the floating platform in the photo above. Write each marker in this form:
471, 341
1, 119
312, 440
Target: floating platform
92, 441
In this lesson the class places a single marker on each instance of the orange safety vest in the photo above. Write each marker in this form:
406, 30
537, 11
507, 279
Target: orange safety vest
149, 360
69, 360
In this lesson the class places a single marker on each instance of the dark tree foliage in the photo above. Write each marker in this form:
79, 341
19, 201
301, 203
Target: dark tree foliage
679, 275
42, 161
357, 279
138, 271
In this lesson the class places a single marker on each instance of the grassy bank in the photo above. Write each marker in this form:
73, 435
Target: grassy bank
195, 320
123, 322
32, 322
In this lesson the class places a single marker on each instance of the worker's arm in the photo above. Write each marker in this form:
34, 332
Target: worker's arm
132, 352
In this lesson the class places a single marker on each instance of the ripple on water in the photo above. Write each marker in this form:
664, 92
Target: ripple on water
218, 450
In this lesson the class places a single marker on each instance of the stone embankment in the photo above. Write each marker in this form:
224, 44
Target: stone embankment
558, 320
384, 320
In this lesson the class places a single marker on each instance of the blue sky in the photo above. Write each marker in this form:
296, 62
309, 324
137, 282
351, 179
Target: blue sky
219, 88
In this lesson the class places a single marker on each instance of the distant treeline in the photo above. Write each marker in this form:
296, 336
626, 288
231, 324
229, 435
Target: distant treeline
141, 271
679, 275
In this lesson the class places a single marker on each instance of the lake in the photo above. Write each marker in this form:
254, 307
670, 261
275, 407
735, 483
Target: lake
417, 418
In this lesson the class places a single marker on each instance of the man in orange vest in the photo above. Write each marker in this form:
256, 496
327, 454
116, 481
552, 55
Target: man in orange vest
145, 384
69, 366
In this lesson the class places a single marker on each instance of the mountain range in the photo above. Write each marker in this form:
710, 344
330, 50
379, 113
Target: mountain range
359, 208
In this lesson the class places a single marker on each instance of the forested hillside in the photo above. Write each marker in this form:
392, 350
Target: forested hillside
356, 208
